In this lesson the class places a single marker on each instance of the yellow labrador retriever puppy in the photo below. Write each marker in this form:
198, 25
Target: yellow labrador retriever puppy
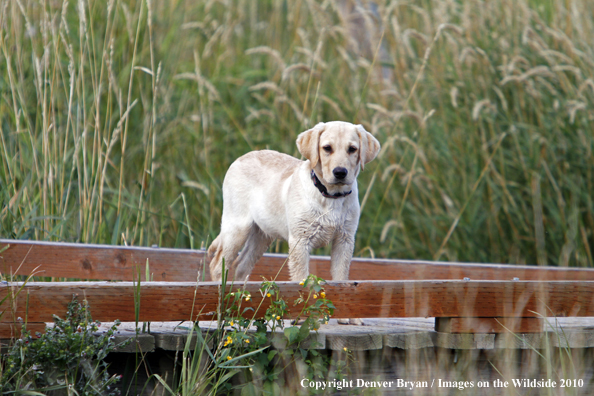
269, 195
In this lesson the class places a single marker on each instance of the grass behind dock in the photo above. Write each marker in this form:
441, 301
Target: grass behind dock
119, 119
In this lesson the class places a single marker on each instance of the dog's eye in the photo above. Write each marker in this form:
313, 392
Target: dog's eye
352, 149
327, 149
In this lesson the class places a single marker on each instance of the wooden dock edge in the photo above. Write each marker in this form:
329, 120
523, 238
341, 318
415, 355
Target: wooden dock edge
105, 262
171, 301
335, 337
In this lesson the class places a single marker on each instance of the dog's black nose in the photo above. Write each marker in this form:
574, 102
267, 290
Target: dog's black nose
340, 172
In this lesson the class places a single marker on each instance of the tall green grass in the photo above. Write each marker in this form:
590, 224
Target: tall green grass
119, 119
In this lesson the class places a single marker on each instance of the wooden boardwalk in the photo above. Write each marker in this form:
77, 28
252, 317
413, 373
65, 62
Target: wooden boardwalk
471, 305
380, 333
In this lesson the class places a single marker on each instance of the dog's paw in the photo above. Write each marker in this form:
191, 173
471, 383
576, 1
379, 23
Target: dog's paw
351, 321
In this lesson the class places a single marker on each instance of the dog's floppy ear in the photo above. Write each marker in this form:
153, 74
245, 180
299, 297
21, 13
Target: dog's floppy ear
369, 148
308, 142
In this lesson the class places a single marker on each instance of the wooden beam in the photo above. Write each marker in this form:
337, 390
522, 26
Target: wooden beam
14, 330
104, 262
489, 325
171, 301
386, 269
99, 262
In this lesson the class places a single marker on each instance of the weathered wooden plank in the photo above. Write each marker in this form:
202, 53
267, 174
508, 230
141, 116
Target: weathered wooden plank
464, 341
169, 301
527, 341
409, 340
489, 325
104, 262
14, 330
100, 262
364, 341
388, 269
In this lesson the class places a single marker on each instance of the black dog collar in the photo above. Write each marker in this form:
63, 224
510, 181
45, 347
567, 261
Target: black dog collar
322, 188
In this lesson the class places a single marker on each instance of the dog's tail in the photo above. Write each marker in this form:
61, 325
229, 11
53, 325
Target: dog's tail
214, 246
215, 253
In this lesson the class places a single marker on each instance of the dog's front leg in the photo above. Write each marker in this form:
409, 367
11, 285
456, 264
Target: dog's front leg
341, 256
298, 258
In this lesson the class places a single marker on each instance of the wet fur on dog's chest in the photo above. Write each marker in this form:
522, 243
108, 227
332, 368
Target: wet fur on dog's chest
324, 228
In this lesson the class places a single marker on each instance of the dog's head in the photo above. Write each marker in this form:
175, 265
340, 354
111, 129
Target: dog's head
337, 150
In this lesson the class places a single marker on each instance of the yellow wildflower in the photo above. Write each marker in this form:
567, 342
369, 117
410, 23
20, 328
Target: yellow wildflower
277, 317
302, 282
248, 297
229, 357
323, 294
345, 349
231, 323
229, 341
268, 294
315, 296
247, 341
